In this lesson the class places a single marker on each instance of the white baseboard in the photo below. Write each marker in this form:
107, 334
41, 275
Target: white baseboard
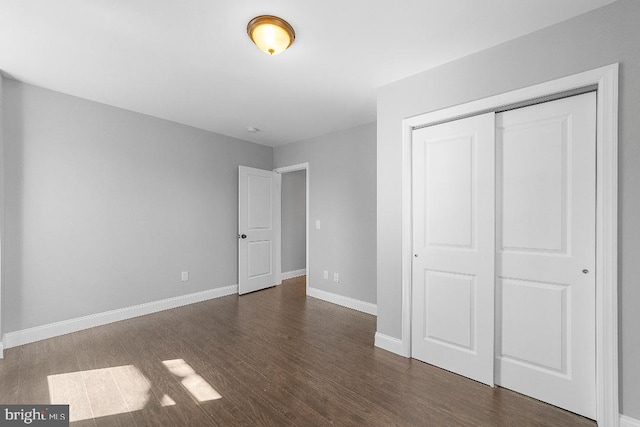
354, 304
1, 348
628, 421
385, 342
26, 336
294, 273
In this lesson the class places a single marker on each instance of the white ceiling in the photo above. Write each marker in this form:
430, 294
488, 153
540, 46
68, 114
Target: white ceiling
191, 61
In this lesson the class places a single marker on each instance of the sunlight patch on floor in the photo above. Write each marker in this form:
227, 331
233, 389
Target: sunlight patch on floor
167, 401
110, 391
100, 392
194, 383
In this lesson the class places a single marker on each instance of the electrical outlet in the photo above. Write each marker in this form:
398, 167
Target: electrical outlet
185, 276
317, 224
336, 277
325, 275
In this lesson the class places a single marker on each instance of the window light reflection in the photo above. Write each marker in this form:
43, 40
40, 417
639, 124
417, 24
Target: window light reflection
194, 383
100, 392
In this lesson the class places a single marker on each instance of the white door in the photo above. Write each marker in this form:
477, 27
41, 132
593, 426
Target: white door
545, 260
453, 246
258, 228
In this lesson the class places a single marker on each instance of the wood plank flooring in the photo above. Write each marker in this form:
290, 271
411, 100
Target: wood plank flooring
274, 357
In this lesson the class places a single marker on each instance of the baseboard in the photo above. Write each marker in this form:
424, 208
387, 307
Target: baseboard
294, 273
385, 342
1, 349
354, 304
628, 421
26, 336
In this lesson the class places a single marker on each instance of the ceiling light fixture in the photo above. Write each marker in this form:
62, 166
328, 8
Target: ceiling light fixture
271, 34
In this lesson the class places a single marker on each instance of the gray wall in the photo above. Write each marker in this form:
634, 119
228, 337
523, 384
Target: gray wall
294, 247
342, 195
604, 36
105, 207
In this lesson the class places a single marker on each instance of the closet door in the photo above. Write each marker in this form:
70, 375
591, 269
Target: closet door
545, 287
454, 246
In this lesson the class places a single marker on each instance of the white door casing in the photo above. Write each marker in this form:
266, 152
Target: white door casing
453, 246
258, 228
545, 260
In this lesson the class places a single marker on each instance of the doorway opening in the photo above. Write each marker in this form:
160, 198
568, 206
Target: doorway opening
294, 237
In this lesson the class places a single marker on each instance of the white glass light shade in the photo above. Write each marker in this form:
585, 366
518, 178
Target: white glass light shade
271, 34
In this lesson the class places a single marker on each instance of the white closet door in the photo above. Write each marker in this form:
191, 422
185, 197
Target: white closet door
545, 287
453, 243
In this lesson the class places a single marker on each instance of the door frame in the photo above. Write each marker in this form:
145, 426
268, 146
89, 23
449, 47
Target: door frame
605, 81
295, 168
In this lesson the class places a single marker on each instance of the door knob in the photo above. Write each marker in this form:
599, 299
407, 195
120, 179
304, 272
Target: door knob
242, 236
585, 271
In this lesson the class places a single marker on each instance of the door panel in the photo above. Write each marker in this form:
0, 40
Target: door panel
544, 347
259, 222
260, 196
449, 193
453, 242
534, 167
545, 223
450, 302
260, 254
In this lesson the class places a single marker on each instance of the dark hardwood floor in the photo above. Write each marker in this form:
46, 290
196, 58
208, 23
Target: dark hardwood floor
273, 357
